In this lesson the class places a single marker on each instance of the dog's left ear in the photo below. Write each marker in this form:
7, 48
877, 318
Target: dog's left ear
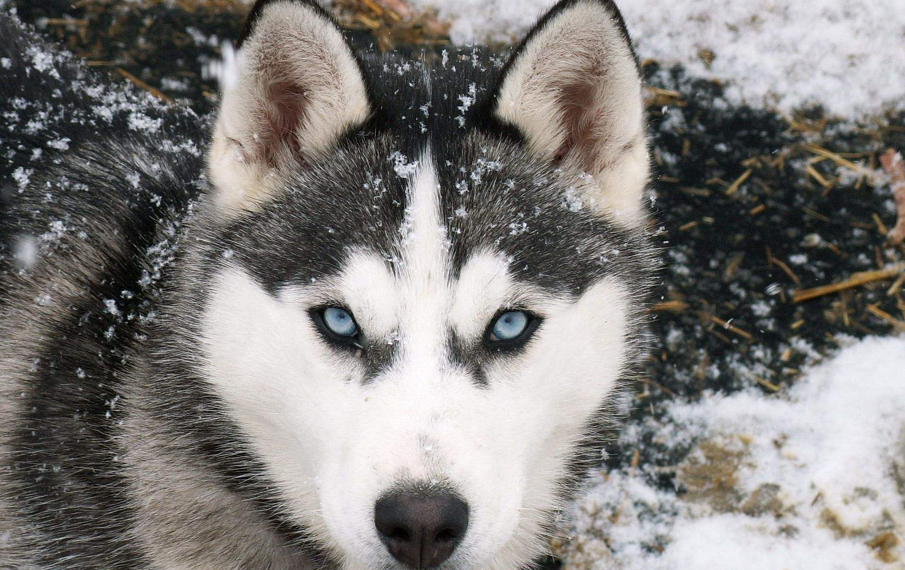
573, 90
298, 87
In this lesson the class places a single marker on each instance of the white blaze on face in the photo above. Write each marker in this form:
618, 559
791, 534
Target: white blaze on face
424, 285
334, 443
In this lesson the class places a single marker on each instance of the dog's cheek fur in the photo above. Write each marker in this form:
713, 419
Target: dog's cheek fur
175, 500
265, 360
552, 395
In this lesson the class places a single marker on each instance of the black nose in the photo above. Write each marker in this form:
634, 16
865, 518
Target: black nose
421, 530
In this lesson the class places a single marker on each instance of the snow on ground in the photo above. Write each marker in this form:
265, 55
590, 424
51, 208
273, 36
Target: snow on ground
812, 479
848, 55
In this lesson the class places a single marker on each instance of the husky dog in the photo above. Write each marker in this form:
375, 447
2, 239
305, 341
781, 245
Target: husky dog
378, 324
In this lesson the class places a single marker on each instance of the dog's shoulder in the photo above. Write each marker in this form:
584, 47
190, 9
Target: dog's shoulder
88, 166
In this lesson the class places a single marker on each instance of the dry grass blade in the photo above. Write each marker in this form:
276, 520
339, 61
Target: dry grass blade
819, 177
657, 97
896, 286
894, 166
877, 312
670, 306
856, 280
768, 385
840, 161
393, 22
727, 325
738, 182
786, 269
398, 7
63, 22
155, 92
657, 385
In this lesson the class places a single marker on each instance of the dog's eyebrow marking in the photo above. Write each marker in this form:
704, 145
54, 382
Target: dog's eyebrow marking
379, 357
461, 353
482, 289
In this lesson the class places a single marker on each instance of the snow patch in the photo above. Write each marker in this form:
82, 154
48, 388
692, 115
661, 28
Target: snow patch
807, 480
26, 251
22, 176
224, 70
843, 54
402, 167
140, 122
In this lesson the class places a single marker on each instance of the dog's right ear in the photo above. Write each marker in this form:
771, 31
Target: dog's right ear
298, 88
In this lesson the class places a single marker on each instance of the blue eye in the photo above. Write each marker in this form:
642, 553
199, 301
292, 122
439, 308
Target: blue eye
339, 322
510, 326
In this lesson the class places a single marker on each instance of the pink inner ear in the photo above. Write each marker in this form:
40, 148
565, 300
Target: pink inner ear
583, 121
285, 103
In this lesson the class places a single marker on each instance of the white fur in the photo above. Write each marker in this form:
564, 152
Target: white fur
334, 444
291, 45
583, 47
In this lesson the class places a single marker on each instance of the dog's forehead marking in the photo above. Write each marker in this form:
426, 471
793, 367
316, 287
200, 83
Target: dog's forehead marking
369, 288
424, 268
416, 303
424, 241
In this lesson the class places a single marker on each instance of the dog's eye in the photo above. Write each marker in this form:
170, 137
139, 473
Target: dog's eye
511, 329
338, 326
509, 325
340, 322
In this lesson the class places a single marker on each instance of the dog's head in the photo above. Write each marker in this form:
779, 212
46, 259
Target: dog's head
426, 280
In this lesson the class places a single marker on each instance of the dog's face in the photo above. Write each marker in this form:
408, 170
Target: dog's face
427, 282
